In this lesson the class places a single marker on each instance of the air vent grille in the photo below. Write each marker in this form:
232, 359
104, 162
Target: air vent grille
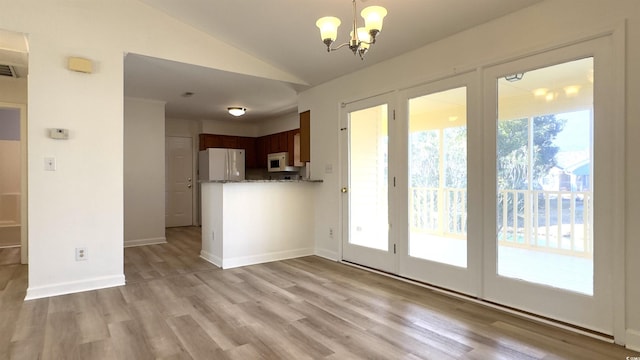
7, 70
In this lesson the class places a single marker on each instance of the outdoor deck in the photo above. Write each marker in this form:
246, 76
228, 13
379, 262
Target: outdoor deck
573, 273
543, 236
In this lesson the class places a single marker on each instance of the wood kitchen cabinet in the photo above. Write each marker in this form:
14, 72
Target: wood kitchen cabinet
291, 146
305, 136
256, 149
230, 142
249, 146
263, 145
210, 141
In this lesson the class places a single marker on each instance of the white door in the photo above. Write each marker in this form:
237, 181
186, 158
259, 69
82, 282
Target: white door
366, 184
179, 181
443, 233
551, 196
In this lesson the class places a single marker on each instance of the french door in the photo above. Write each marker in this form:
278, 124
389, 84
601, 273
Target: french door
506, 192
368, 225
549, 191
441, 187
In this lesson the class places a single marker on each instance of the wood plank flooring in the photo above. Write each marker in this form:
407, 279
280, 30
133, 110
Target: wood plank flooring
177, 306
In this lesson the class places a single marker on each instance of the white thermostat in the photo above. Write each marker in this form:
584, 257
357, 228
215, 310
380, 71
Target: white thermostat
59, 134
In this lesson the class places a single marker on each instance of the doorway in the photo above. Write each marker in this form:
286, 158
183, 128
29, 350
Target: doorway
179, 181
12, 179
548, 220
367, 222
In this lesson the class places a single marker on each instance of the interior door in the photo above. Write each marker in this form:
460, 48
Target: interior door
443, 232
549, 221
366, 236
179, 181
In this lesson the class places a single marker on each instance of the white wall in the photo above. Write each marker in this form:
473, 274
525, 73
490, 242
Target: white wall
144, 172
81, 204
239, 226
229, 128
548, 24
267, 127
279, 124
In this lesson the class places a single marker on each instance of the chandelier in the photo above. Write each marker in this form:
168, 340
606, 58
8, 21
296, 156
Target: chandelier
361, 37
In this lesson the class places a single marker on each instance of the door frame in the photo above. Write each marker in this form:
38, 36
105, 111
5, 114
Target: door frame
463, 280
195, 213
24, 183
609, 306
388, 259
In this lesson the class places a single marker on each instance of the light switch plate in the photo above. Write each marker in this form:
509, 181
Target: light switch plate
50, 164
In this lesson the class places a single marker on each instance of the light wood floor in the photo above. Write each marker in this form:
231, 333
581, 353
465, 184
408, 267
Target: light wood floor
176, 306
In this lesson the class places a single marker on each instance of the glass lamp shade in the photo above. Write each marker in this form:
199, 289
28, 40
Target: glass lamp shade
328, 26
363, 36
373, 16
236, 111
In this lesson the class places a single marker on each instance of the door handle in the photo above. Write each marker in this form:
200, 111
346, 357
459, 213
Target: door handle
189, 186
189, 179
344, 190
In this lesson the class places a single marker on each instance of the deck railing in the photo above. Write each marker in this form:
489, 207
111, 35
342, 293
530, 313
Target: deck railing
552, 221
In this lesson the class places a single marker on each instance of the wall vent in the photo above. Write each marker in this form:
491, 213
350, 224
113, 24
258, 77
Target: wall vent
8, 70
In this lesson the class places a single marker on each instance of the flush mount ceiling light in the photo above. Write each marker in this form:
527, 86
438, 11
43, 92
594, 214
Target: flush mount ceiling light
361, 37
236, 110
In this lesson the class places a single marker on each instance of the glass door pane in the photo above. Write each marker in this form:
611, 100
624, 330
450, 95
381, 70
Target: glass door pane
438, 177
369, 178
544, 176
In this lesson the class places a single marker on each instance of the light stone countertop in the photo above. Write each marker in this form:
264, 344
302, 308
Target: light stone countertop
260, 181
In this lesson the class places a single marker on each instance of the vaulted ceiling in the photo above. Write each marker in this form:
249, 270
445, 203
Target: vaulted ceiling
283, 33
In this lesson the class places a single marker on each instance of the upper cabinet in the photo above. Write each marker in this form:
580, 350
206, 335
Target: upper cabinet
232, 142
305, 136
295, 142
249, 145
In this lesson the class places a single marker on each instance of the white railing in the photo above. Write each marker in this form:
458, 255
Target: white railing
554, 221
450, 222
557, 221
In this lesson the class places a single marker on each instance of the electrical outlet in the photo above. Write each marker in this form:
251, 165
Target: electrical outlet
331, 233
81, 254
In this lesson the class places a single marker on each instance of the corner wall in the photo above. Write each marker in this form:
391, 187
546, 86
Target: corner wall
144, 172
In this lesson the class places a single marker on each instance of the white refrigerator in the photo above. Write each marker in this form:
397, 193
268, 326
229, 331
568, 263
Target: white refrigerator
221, 164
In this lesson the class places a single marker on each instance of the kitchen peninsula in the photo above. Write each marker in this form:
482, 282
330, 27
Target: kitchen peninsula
255, 221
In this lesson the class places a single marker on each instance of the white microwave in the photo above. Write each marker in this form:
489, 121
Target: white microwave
278, 162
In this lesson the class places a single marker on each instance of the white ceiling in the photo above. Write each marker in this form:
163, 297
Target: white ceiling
283, 33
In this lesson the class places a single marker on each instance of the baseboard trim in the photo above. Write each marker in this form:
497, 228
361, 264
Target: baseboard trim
633, 340
144, 242
74, 287
264, 258
209, 257
329, 255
